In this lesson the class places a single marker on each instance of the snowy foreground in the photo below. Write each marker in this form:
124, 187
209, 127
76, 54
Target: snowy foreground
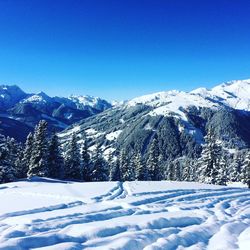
46, 214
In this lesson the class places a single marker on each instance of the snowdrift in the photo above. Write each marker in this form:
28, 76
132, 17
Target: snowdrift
49, 214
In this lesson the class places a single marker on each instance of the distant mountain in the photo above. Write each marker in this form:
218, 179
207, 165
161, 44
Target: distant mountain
10, 95
20, 111
178, 119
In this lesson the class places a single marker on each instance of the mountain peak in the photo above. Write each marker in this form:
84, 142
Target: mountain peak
91, 101
10, 94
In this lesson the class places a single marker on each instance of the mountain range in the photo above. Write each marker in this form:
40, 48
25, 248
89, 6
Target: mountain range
20, 111
180, 120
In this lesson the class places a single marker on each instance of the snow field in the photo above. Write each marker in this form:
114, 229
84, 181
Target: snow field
43, 214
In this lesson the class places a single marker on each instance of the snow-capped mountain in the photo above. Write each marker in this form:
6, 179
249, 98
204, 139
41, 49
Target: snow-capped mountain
10, 95
39, 98
83, 102
20, 112
234, 94
178, 119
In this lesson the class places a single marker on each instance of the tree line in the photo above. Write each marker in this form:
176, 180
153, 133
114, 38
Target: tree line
43, 156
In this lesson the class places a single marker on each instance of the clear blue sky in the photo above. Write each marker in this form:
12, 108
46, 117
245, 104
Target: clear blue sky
122, 48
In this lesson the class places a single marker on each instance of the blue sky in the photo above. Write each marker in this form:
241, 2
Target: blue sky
122, 49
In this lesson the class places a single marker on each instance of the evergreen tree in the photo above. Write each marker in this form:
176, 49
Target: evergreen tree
100, 169
170, 171
193, 171
39, 156
115, 171
177, 171
141, 173
246, 170
153, 161
235, 169
127, 173
186, 172
26, 160
55, 159
12, 150
221, 178
7, 171
21, 172
209, 161
72, 166
85, 161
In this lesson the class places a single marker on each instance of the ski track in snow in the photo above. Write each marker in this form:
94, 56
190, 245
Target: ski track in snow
170, 217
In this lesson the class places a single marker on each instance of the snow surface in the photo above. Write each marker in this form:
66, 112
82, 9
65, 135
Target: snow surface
234, 94
113, 135
91, 101
49, 214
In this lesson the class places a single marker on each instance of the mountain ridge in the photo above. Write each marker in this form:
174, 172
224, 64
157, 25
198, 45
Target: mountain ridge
24, 110
180, 120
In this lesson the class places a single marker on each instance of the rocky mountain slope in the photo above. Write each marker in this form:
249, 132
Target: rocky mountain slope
20, 112
179, 120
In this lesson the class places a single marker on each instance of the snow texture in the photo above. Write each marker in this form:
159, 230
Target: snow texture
49, 214
234, 94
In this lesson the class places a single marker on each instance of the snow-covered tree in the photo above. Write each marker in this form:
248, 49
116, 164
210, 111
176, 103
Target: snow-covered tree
85, 160
221, 178
178, 171
25, 162
246, 170
186, 170
235, 168
12, 150
7, 171
153, 161
20, 169
55, 159
127, 173
209, 161
170, 171
39, 156
114, 169
100, 171
72, 163
141, 173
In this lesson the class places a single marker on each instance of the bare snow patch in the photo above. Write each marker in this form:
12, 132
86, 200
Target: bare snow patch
113, 135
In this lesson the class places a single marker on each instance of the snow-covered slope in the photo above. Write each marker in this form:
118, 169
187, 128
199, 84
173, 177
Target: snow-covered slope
179, 119
90, 101
47, 214
39, 98
234, 94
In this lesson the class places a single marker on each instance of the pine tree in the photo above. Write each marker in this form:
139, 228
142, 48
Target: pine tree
141, 173
186, 172
170, 171
85, 161
235, 169
209, 161
246, 170
72, 166
7, 171
177, 171
153, 161
221, 178
115, 171
21, 172
26, 160
127, 173
12, 150
100, 169
55, 159
38, 161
